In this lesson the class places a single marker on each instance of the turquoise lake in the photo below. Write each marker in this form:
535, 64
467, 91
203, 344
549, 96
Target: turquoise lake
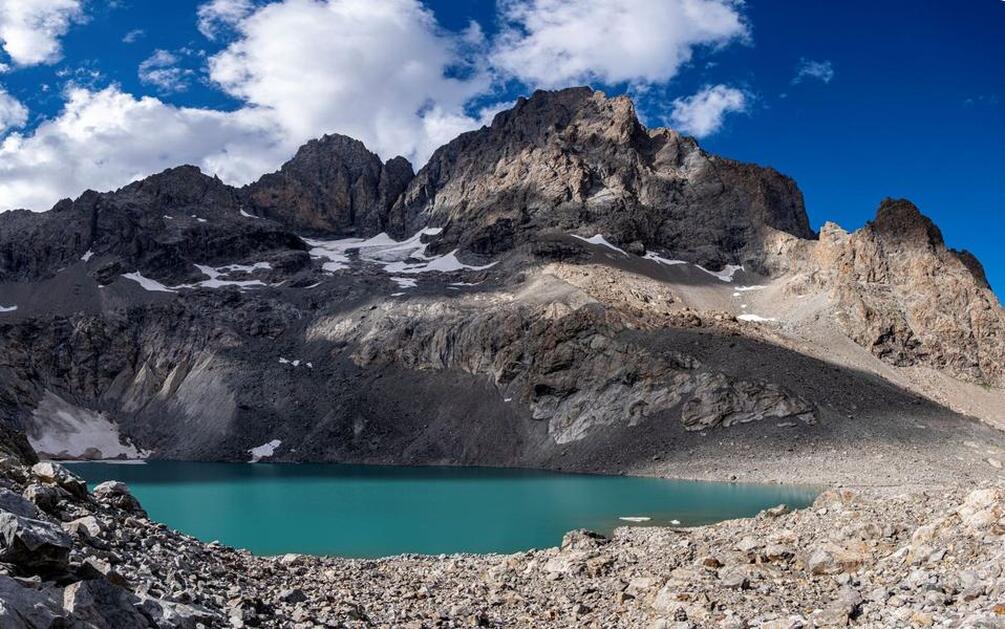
373, 511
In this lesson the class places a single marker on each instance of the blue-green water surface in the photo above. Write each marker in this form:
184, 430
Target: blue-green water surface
372, 511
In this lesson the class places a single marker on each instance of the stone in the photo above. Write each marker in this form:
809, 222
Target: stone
293, 596
34, 546
45, 497
831, 558
18, 505
117, 493
102, 604
86, 527
27, 607
55, 474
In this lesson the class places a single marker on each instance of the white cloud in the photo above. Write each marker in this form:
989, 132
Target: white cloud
702, 114
133, 36
375, 71
12, 113
162, 71
30, 29
553, 43
383, 72
822, 70
105, 139
218, 16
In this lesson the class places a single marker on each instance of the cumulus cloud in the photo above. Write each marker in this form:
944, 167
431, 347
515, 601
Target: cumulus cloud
218, 16
384, 73
702, 114
807, 69
12, 113
550, 43
161, 70
105, 139
30, 29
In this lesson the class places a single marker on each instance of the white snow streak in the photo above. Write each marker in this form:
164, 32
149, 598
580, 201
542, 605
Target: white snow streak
148, 284
600, 240
755, 318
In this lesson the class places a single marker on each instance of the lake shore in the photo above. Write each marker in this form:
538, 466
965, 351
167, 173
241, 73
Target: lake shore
861, 557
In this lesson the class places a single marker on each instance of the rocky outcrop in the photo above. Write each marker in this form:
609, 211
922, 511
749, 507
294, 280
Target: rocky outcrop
901, 293
333, 184
161, 227
576, 160
571, 365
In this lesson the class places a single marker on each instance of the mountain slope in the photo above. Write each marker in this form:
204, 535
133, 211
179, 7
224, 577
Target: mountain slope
564, 288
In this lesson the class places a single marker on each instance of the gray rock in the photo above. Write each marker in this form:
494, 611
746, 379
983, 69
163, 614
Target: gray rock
57, 475
117, 493
29, 608
104, 605
18, 505
45, 497
33, 545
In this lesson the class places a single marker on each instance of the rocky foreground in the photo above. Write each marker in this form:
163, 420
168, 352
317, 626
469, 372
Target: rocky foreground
73, 558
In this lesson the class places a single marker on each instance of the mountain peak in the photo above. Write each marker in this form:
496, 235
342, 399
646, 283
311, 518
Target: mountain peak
901, 220
332, 184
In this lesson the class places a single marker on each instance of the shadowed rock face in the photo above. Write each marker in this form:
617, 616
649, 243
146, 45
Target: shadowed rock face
578, 161
334, 185
160, 226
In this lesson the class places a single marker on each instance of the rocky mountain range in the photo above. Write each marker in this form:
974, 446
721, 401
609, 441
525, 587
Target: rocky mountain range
564, 288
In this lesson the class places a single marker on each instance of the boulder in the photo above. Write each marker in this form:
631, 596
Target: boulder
102, 604
85, 527
832, 558
117, 494
34, 546
45, 497
18, 505
27, 608
55, 474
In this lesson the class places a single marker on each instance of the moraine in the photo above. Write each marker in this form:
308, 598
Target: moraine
371, 511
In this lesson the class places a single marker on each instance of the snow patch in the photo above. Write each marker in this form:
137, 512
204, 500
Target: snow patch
443, 264
600, 240
749, 288
148, 284
87, 256
726, 274
214, 274
658, 258
264, 451
407, 256
295, 363
59, 429
405, 282
756, 318
8, 308
246, 215
201, 220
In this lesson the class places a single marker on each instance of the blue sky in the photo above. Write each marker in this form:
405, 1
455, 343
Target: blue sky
855, 100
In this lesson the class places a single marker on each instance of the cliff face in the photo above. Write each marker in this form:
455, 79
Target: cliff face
902, 294
562, 288
333, 184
